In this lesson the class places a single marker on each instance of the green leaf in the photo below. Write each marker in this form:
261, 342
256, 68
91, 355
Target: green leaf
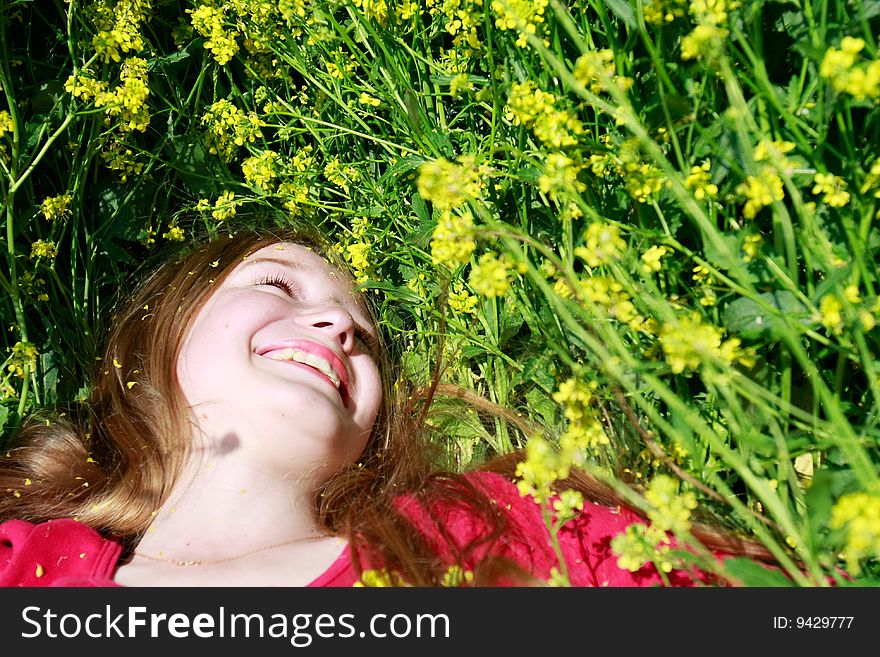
747, 317
49, 366
819, 501
752, 574
421, 209
542, 404
4, 414
623, 11
716, 256
393, 292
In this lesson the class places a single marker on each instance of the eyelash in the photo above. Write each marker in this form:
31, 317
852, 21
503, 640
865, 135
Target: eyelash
280, 282
366, 339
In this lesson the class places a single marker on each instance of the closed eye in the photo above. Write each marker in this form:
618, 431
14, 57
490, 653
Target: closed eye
368, 340
280, 282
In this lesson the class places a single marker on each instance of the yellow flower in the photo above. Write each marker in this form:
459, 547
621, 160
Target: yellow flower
699, 181
833, 187
560, 176
830, 310
533, 108
56, 207
524, 16
490, 277
752, 247
651, 258
640, 545
358, 255
453, 239
704, 41
456, 576
228, 128
670, 508
43, 249
225, 206
209, 22
174, 234
596, 71
760, 191
688, 342
858, 514
602, 244
463, 302
261, 170
367, 99
380, 577
23, 359
6, 124
448, 185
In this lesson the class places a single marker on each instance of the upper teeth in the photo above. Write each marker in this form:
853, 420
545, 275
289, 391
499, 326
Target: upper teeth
308, 359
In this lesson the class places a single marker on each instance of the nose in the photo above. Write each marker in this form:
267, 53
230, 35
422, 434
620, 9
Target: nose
335, 323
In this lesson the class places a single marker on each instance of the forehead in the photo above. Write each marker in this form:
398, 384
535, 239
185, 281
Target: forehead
293, 256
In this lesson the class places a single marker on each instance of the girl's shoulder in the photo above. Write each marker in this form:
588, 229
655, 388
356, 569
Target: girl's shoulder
584, 542
61, 552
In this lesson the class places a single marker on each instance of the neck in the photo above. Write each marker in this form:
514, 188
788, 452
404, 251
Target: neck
224, 507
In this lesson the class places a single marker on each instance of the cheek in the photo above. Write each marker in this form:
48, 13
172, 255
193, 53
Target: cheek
372, 392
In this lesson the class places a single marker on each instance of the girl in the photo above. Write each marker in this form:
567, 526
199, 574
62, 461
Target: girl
242, 431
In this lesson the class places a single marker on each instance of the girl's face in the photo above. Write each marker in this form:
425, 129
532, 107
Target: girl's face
278, 362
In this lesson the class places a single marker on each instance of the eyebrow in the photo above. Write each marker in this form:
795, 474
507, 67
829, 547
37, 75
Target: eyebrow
277, 261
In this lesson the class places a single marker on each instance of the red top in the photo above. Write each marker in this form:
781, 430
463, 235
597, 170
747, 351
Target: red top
67, 553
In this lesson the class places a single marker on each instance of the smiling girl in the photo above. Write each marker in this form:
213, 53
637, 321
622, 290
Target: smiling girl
243, 431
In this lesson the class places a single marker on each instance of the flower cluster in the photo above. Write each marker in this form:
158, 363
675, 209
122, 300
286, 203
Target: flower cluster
609, 295
699, 181
23, 359
56, 207
43, 249
670, 508
639, 545
602, 244
462, 301
223, 208
760, 191
833, 189
452, 241
117, 24
357, 249
858, 515
652, 257
688, 342
210, 22
491, 275
6, 125
529, 106
641, 179
448, 185
584, 430
597, 72
229, 128
848, 73
707, 38
560, 176
524, 16
261, 170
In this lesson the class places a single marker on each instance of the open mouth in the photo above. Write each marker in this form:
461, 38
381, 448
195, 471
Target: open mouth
313, 362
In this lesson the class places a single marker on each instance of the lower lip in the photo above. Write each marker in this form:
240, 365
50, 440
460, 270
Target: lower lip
314, 371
